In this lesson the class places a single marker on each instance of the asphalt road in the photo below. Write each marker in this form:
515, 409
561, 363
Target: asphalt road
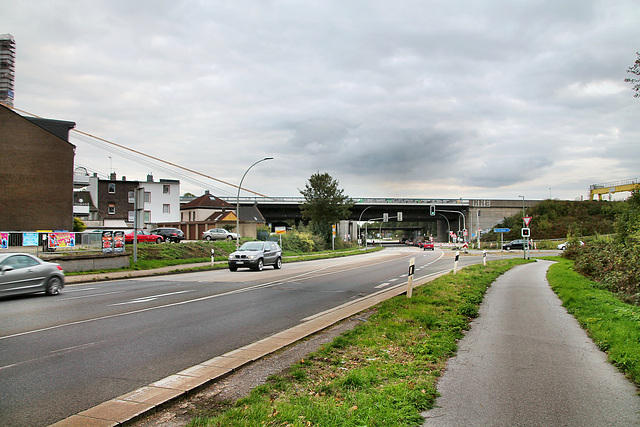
61, 355
527, 362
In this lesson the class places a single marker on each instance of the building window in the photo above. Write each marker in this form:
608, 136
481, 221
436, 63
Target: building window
131, 216
166, 189
112, 187
147, 197
166, 208
112, 209
131, 196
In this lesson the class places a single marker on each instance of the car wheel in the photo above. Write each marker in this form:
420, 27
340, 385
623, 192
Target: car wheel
208, 238
508, 248
260, 265
433, 249
159, 240
229, 237
54, 286
278, 264
232, 268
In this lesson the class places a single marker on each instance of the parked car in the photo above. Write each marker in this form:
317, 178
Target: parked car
144, 236
563, 246
25, 273
173, 235
428, 245
256, 255
514, 244
219, 234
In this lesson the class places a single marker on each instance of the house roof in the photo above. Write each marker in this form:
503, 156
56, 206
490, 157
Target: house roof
251, 214
207, 201
222, 216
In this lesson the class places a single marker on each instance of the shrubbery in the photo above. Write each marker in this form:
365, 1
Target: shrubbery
615, 264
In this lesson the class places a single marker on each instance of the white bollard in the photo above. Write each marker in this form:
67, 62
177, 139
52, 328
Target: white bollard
412, 269
484, 257
455, 264
212, 257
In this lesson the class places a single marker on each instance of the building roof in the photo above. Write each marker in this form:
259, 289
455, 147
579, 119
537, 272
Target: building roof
207, 201
251, 214
222, 216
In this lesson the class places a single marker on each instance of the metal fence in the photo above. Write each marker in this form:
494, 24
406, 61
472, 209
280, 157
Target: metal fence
47, 241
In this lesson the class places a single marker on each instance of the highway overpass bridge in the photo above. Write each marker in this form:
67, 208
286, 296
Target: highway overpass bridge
450, 214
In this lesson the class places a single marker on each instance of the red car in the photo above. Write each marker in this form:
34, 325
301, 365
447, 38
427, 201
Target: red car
428, 245
143, 236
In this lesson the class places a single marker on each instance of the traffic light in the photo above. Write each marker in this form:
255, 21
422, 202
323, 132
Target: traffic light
399, 216
432, 210
385, 217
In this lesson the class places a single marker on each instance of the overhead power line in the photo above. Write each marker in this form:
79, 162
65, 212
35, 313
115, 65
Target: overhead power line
149, 156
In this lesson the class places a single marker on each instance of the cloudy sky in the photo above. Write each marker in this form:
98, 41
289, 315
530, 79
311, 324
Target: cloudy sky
405, 98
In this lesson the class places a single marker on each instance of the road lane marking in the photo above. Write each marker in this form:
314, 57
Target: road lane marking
91, 296
382, 285
150, 298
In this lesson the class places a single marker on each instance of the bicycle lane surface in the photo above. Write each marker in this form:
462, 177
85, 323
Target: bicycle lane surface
527, 362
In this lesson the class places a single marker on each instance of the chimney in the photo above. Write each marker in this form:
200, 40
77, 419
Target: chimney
113, 176
150, 177
124, 178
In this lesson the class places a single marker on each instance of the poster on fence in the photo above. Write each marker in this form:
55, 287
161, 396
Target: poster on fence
4, 240
29, 239
118, 241
62, 240
107, 241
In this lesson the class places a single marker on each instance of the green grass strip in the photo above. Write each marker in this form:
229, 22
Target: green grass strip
612, 324
381, 373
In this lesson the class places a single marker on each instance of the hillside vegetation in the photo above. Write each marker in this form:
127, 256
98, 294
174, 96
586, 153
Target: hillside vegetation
561, 219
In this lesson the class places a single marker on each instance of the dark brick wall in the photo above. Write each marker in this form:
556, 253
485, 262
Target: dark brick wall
36, 176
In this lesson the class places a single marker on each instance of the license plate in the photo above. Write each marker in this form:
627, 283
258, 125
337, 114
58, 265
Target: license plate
239, 262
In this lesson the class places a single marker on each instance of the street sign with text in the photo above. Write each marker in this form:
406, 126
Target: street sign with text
501, 230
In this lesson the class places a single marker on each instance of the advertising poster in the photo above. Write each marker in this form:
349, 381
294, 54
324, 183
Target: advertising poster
118, 241
62, 240
4, 240
107, 241
29, 239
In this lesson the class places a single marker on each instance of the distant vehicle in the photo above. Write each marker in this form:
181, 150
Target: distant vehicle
428, 245
563, 246
219, 234
173, 235
256, 255
514, 244
25, 273
144, 236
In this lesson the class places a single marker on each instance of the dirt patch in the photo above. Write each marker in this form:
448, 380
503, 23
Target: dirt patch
240, 383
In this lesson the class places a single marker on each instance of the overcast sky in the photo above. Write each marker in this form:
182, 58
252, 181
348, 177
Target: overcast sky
426, 98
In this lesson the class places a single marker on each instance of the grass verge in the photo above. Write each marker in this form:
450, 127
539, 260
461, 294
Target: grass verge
381, 373
612, 324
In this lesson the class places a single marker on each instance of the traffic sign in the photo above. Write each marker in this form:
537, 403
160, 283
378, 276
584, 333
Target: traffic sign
501, 230
527, 220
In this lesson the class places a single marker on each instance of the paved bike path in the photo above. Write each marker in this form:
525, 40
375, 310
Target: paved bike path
527, 362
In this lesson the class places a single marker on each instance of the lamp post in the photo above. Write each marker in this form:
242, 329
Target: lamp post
358, 226
522, 210
238, 201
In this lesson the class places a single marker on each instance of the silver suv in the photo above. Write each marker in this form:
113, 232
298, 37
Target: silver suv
256, 255
219, 234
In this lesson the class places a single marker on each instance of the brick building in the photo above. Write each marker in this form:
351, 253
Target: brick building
36, 172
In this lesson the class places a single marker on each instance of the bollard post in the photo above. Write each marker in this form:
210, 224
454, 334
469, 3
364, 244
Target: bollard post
484, 257
212, 250
412, 269
455, 264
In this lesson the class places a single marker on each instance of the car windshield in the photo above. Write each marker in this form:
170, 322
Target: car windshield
252, 246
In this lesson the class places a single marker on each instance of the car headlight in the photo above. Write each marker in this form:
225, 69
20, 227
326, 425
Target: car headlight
253, 256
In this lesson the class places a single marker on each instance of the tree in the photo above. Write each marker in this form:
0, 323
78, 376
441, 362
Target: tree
78, 225
635, 82
325, 204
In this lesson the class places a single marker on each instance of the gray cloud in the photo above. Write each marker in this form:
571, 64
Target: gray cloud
416, 98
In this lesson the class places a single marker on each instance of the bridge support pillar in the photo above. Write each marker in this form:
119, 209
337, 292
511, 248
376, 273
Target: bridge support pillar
442, 231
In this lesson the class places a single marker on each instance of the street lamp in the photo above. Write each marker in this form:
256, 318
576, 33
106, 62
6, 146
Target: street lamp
522, 209
358, 226
238, 201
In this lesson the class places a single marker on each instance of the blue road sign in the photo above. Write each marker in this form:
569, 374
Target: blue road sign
501, 230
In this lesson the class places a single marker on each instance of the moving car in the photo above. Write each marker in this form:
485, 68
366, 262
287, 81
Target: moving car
563, 246
25, 273
428, 245
219, 234
169, 234
514, 244
144, 236
256, 255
